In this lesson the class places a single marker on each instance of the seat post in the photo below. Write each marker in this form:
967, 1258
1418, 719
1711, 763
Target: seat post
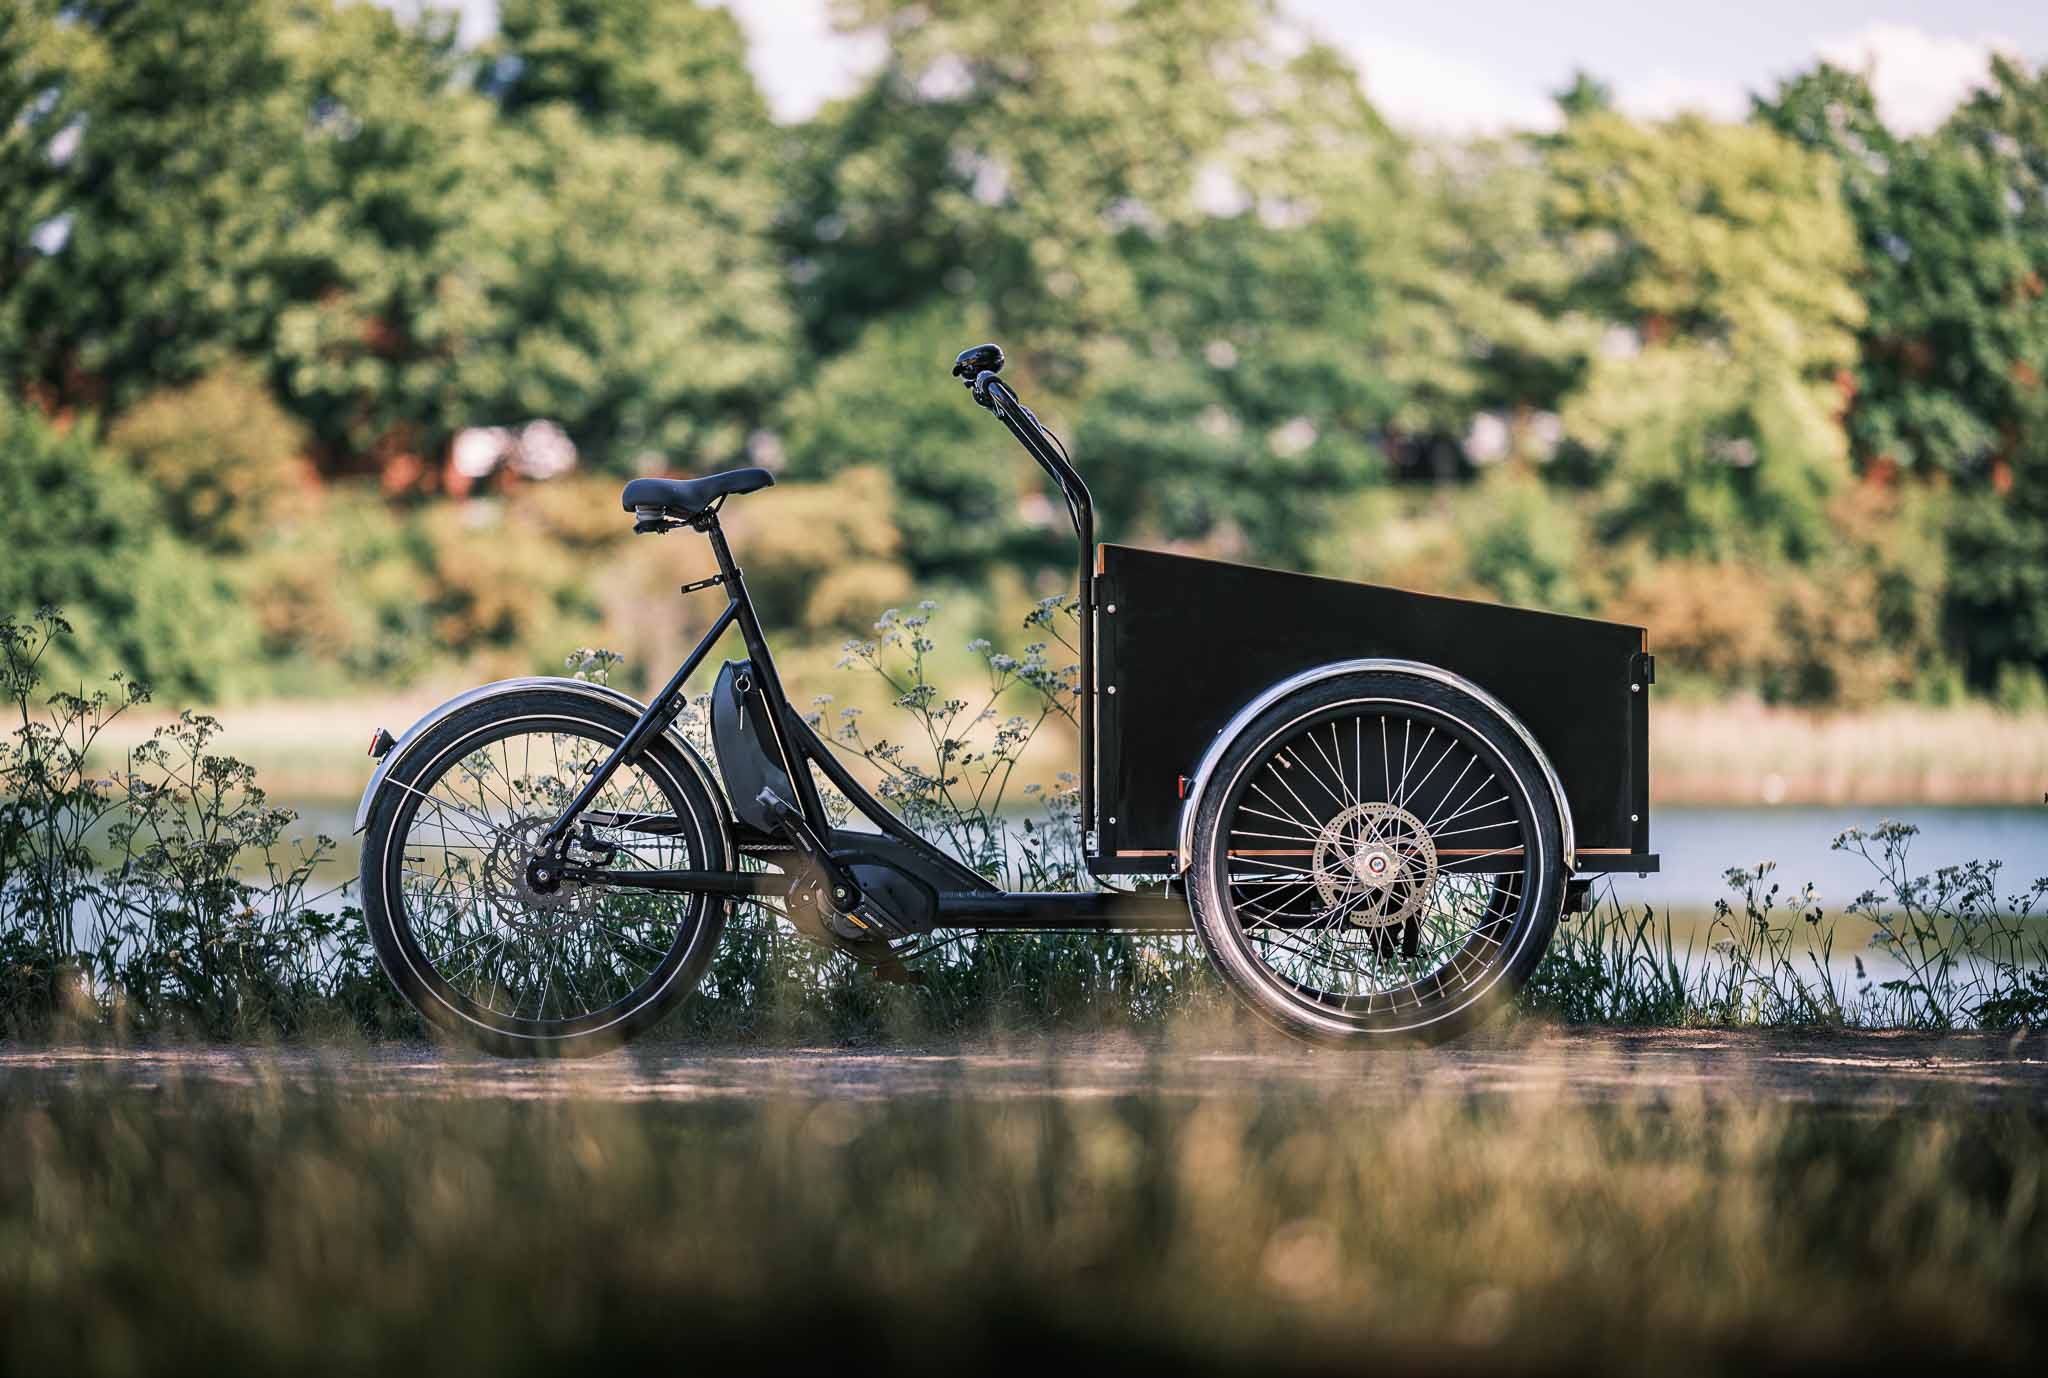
707, 522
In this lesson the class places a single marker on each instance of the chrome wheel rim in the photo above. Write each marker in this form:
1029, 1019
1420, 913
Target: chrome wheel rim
503, 953
1376, 857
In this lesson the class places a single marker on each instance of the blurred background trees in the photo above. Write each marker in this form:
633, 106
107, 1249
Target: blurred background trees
1948, 391
286, 285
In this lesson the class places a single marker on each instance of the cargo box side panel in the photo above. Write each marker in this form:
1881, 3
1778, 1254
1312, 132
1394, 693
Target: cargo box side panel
1191, 641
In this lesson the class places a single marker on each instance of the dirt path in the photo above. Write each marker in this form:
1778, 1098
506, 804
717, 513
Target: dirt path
1864, 1069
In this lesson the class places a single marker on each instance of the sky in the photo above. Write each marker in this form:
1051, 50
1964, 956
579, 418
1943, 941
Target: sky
1486, 65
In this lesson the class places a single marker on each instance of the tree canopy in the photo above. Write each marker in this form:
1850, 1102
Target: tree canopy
267, 259
1948, 381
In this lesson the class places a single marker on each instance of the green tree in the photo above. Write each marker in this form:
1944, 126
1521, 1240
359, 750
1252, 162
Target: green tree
1926, 215
1998, 598
149, 147
1006, 152
223, 457
620, 274
78, 534
618, 289
318, 188
1114, 188
1258, 396
195, 183
1721, 257
1949, 382
1343, 328
1587, 95
373, 304
672, 72
1181, 233
888, 401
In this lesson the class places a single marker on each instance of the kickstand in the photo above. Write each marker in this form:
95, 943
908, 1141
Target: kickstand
891, 969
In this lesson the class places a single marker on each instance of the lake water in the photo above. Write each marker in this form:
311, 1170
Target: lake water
1697, 847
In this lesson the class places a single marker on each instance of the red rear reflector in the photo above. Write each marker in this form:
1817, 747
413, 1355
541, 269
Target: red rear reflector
1180, 791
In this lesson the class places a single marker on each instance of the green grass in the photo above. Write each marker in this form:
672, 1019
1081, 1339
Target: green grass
236, 1228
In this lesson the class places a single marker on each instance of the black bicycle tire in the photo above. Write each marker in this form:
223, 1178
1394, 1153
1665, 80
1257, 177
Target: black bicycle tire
1214, 917
406, 964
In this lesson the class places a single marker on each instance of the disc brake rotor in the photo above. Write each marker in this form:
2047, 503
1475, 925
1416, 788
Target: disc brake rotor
1376, 862
520, 905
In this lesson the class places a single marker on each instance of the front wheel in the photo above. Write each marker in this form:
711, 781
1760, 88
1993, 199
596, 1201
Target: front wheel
462, 932
1377, 857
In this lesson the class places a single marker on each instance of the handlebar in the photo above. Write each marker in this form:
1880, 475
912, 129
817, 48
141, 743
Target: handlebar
977, 368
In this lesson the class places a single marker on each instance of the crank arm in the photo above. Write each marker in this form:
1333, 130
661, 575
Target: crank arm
845, 895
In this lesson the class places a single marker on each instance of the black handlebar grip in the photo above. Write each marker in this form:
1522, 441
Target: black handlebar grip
972, 363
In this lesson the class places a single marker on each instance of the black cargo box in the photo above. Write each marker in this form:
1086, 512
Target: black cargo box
1188, 642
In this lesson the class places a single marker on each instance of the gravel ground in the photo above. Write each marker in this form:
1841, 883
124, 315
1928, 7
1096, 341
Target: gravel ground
1587, 1065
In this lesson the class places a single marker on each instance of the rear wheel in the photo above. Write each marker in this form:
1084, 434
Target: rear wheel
1377, 856
459, 927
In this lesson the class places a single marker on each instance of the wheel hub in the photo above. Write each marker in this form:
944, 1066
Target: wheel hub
509, 877
1376, 862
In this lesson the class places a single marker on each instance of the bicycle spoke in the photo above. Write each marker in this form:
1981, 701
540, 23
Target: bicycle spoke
545, 959
1339, 886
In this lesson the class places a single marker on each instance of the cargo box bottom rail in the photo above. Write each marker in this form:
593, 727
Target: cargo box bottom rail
1643, 863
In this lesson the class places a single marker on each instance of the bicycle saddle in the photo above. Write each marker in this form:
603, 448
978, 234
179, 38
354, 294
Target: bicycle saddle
686, 497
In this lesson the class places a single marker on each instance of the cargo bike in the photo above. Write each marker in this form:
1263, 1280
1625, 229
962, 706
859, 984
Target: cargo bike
1371, 805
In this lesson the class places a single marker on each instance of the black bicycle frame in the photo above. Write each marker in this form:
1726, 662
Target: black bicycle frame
971, 902
662, 709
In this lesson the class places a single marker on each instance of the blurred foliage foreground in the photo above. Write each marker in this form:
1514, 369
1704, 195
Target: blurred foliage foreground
167, 898
1275, 1228
324, 341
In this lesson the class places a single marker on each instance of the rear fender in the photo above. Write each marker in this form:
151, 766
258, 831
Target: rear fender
599, 692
